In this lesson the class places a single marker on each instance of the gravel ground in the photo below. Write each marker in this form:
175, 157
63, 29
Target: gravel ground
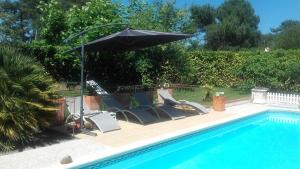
45, 157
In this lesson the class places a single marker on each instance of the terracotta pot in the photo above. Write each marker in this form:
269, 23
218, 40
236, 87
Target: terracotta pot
219, 103
60, 111
93, 102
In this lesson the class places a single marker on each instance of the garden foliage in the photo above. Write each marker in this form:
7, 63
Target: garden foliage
278, 70
40, 29
26, 91
61, 65
174, 63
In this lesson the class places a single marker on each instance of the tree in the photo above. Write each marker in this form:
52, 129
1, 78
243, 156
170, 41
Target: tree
233, 25
67, 4
287, 35
18, 19
26, 91
289, 38
53, 19
138, 11
162, 63
267, 40
158, 15
93, 13
285, 25
203, 16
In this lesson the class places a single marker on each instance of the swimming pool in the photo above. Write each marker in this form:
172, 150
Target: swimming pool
268, 140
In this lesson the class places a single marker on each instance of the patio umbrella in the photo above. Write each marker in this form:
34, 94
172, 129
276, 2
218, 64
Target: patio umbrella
126, 40
131, 39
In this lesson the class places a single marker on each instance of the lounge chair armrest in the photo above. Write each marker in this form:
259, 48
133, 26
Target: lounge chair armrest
113, 109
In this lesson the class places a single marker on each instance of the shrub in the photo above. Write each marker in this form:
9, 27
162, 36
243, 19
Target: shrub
26, 90
278, 70
214, 68
61, 65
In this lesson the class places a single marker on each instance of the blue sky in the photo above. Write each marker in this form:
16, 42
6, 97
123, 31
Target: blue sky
271, 12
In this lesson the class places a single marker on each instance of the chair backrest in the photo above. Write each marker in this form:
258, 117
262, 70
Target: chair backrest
165, 95
142, 98
106, 97
110, 101
73, 105
98, 89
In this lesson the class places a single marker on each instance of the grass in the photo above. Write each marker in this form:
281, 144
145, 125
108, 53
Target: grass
71, 93
198, 94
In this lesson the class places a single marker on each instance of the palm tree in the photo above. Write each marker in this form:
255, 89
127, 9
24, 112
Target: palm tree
26, 90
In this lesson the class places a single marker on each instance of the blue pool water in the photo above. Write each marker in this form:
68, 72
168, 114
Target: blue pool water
268, 140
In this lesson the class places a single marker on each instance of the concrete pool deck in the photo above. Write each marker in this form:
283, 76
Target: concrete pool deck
88, 148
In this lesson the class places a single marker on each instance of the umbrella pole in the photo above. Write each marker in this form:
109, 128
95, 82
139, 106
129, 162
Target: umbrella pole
81, 84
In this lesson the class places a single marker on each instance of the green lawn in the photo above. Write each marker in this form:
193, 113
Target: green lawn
197, 94
70, 93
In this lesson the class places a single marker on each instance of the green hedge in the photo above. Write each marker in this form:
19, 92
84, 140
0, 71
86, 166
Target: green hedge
215, 68
278, 70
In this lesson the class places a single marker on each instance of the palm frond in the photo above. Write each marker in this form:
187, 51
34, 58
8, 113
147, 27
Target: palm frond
26, 91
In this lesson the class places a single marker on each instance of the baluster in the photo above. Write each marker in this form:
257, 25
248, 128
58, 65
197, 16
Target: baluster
271, 97
285, 98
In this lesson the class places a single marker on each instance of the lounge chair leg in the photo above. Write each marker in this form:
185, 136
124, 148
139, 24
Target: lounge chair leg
126, 118
156, 112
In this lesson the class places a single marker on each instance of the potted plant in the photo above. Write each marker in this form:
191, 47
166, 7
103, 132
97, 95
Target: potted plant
219, 101
208, 93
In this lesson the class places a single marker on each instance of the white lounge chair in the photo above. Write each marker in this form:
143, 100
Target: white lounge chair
168, 99
103, 120
142, 114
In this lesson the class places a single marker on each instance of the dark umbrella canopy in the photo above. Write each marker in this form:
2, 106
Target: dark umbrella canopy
126, 40
130, 39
